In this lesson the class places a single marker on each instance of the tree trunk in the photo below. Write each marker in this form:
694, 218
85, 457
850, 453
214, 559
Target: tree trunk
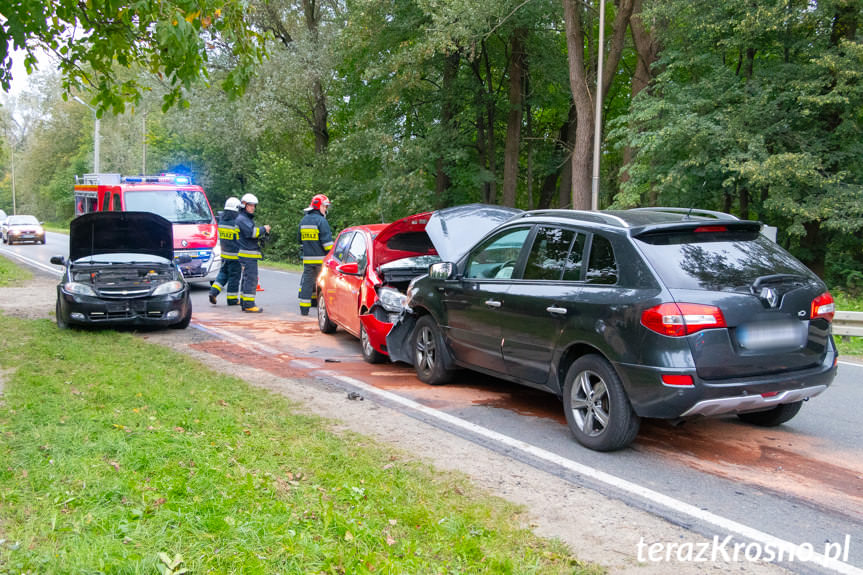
583, 96
491, 147
320, 113
442, 179
513, 128
562, 146
322, 132
647, 53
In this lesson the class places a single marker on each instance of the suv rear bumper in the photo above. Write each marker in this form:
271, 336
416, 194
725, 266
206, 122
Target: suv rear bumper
651, 398
744, 403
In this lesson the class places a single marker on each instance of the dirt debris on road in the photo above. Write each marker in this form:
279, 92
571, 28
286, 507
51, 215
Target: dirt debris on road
597, 528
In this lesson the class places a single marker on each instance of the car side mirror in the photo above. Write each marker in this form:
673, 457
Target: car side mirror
58, 260
442, 271
351, 269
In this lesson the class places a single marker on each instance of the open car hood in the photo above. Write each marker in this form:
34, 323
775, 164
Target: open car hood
403, 238
453, 231
120, 232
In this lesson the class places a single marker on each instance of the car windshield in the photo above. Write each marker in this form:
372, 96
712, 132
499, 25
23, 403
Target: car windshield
22, 221
717, 261
176, 206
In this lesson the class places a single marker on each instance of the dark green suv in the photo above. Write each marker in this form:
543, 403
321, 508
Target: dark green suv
655, 312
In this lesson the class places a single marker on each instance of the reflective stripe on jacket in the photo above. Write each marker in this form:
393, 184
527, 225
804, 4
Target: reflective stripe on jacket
315, 236
250, 235
229, 235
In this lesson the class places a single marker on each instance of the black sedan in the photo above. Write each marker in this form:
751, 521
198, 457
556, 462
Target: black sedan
121, 271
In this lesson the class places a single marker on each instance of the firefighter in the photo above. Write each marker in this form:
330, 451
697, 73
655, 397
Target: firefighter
316, 239
250, 251
229, 273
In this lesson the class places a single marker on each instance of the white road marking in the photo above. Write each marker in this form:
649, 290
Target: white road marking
644, 493
36, 264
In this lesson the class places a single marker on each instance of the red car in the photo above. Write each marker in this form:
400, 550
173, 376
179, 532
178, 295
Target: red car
361, 287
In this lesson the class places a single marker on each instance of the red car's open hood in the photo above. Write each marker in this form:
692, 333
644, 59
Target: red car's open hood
403, 238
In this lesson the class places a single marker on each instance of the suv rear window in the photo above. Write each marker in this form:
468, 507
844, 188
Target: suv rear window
716, 260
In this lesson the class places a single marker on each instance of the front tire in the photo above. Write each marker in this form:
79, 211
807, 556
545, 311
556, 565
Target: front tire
428, 352
61, 323
772, 417
597, 410
325, 324
184, 323
370, 354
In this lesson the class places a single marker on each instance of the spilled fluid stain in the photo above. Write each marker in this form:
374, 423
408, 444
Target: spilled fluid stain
775, 459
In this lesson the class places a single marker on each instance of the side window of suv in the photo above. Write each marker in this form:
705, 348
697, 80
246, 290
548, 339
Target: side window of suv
496, 257
602, 267
572, 271
342, 246
548, 255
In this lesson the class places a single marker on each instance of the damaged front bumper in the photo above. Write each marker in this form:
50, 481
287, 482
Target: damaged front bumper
399, 337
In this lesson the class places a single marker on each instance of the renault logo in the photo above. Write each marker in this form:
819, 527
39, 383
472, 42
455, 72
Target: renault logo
184, 243
770, 296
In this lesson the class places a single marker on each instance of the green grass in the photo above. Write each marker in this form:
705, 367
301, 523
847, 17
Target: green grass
282, 266
848, 346
120, 456
11, 274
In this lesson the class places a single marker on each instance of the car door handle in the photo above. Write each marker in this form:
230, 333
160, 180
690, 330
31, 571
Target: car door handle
552, 309
492, 303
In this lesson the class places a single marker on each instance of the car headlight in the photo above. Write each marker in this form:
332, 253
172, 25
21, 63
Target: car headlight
168, 287
78, 289
391, 300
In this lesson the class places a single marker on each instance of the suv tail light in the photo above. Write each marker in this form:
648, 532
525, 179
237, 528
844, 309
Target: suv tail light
679, 319
823, 307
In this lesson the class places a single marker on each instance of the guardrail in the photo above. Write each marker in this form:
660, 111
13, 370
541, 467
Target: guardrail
848, 323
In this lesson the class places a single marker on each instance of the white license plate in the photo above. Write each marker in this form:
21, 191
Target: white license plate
773, 335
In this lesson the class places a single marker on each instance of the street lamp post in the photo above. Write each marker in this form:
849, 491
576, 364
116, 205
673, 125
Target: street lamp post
95, 134
597, 131
12, 156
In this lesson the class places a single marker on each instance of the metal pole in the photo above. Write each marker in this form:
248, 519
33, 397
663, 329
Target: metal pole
597, 131
14, 207
144, 143
96, 145
95, 134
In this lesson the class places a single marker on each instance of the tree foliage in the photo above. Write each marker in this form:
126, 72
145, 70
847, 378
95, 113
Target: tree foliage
95, 41
756, 112
392, 107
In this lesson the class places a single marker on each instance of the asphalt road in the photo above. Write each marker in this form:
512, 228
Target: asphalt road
800, 483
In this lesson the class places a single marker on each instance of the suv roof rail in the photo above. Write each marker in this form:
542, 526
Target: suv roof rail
587, 215
689, 212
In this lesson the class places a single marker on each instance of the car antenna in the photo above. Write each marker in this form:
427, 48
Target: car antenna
689, 213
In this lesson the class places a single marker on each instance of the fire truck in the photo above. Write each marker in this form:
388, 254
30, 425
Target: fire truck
173, 197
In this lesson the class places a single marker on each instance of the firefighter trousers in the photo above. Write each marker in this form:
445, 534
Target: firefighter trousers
228, 280
250, 281
307, 286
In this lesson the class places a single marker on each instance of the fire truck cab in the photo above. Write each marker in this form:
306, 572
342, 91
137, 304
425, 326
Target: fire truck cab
171, 196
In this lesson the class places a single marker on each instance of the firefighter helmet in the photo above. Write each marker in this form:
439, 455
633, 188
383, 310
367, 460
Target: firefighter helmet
248, 199
232, 204
319, 200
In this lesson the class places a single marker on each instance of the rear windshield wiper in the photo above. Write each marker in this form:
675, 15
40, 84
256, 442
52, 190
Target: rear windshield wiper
777, 279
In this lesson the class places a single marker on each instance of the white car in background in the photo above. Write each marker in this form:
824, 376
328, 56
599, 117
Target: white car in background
18, 229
